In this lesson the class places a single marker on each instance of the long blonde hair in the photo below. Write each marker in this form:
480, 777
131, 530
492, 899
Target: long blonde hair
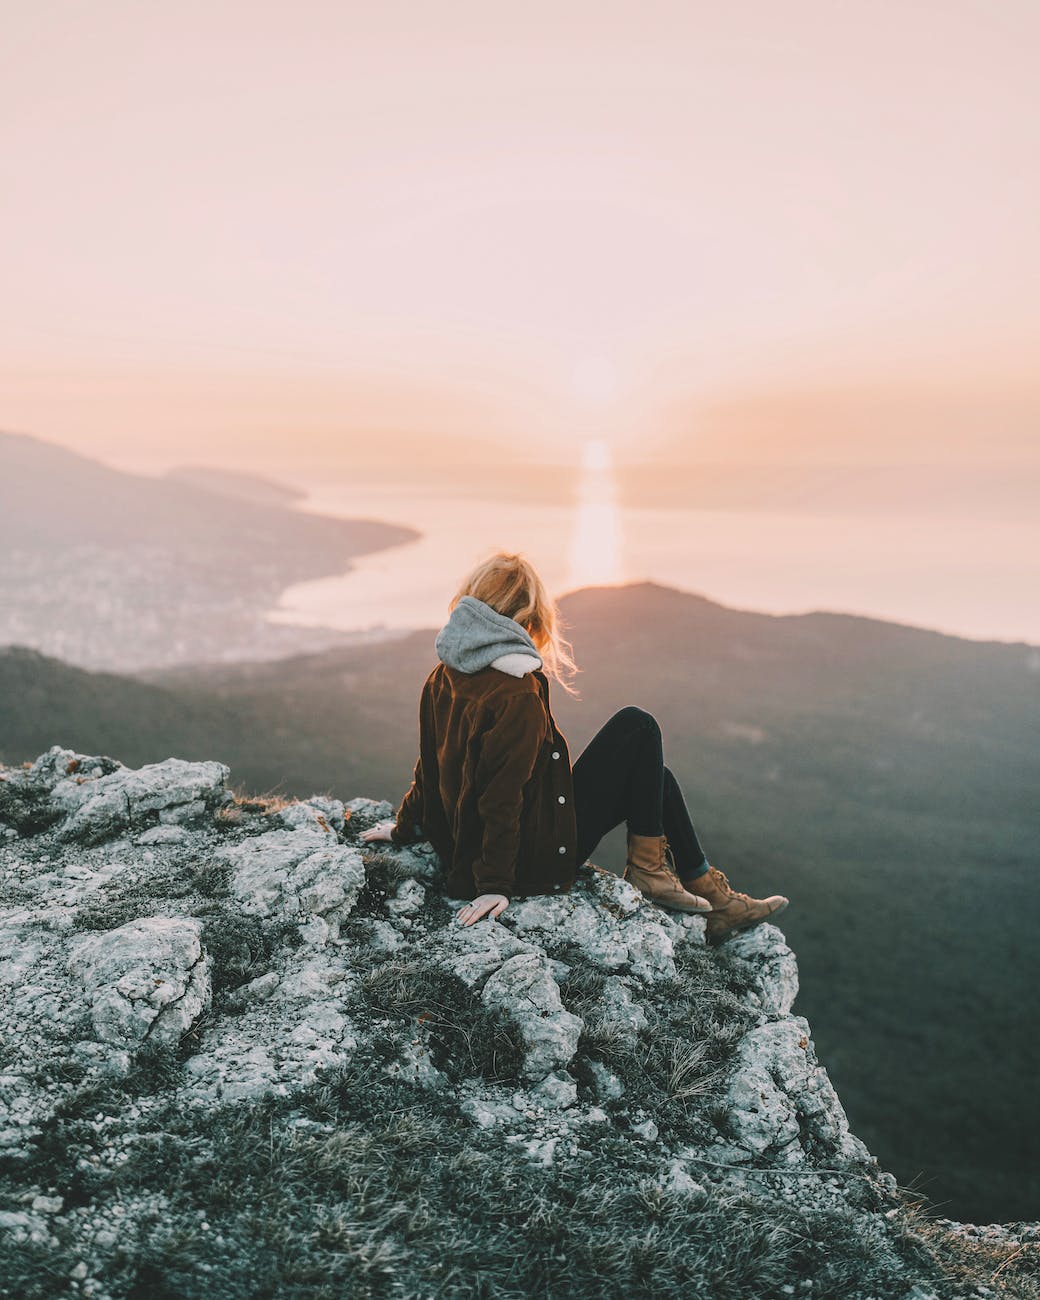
511, 585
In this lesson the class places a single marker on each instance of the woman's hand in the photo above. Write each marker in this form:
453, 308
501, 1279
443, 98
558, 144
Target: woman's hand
380, 831
492, 904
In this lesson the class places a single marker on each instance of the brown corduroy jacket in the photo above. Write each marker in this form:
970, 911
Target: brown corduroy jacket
492, 789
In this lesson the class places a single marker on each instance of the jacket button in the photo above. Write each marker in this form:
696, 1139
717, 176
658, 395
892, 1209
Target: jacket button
556, 886
563, 848
556, 753
563, 798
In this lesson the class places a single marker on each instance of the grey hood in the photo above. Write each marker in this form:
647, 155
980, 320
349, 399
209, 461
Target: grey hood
477, 636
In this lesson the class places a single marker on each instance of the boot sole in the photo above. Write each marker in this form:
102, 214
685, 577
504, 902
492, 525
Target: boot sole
683, 911
746, 925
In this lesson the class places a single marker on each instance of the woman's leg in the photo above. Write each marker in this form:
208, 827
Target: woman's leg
690, 858
620, 776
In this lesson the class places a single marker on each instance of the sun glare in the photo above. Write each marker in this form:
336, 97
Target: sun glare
594, 381
595, 554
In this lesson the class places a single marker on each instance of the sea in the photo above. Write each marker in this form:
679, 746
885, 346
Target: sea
970, 577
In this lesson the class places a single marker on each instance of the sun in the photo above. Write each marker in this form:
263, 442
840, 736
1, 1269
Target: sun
594, 381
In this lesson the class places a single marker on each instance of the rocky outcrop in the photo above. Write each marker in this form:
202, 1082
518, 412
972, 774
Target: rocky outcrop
264, 948
146, 979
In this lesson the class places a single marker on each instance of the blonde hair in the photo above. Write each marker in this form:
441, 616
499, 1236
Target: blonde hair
511, 585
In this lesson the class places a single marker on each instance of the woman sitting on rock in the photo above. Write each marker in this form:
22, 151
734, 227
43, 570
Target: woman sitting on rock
494, 791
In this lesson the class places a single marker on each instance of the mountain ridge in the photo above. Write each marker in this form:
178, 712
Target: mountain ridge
109, 569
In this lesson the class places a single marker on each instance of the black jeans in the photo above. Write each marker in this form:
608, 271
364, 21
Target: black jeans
620, 776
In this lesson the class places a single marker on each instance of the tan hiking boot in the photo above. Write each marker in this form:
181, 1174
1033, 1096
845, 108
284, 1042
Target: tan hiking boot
651, 868
731, 910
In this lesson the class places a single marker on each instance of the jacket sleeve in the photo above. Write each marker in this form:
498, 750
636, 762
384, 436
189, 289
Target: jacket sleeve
508, 752
408, 827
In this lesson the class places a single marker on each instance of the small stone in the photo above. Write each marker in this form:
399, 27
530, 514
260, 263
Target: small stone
557, 1091
676, 1178
408, 899
607, 1085
180, 813
163, 835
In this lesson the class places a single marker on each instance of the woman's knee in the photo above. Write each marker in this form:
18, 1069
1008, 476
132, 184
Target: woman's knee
633, 716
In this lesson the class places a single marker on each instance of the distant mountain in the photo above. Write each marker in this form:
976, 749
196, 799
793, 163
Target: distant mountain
115, 570
883, 776
232, 483
38, 691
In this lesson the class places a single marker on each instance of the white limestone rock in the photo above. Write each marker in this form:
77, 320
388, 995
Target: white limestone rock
619, 1008
147, 979
676, 1178
296, 874
764, 953
74, 1002
474, 952
778, 1092
540, 1151
487, 1112
300, 1024
415, 1063
182, 814
321, 811
684, 927
99, 807
523, 989
162, 834
382, 937
22, 1110
58, 763
605, 1083
312, 815
366, 812
556, 1091
408, 899
607, 919
258, 990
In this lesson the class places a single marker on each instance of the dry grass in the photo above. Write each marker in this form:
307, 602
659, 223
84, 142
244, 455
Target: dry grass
466, 1038
400, 1196
266, 802
1010, 1269
689, 1073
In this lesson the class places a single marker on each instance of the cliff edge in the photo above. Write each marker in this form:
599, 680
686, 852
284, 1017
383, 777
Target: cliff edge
245, 1053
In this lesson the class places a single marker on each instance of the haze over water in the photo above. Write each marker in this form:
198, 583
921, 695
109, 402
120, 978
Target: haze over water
972, 578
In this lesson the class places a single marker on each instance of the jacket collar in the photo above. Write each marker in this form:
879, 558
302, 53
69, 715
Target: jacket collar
477, 637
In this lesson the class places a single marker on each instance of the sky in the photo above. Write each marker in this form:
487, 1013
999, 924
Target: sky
275, 234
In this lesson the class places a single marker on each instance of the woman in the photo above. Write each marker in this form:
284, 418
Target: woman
494, 791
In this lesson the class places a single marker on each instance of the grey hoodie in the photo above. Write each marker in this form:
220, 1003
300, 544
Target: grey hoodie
477, 636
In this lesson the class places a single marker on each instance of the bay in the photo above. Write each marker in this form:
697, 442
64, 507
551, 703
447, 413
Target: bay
971, 577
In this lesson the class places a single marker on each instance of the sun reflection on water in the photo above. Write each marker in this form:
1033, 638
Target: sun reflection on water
595, 550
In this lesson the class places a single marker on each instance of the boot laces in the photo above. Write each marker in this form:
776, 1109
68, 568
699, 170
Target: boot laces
668, 864
720, 878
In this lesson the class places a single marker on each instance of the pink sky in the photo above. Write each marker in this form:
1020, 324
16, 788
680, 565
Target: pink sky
259, 231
